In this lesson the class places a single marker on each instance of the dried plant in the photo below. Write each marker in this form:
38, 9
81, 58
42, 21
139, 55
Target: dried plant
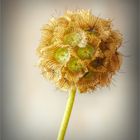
79, 50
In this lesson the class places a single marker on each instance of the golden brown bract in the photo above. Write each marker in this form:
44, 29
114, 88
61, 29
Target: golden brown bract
79, 49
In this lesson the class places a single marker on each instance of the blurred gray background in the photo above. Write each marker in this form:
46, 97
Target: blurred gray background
33, 107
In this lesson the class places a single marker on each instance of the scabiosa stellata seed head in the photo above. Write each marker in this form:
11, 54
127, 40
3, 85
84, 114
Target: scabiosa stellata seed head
79, 49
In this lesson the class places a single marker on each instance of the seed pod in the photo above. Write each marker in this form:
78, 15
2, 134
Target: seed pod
79, 49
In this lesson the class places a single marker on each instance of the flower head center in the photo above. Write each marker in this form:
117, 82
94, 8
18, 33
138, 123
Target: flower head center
73, 39
61, 55
85, 53
74, 65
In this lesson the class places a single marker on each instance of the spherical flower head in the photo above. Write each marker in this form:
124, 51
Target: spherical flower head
81, 50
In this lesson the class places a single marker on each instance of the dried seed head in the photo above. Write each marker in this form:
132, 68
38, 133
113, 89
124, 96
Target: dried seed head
79, 49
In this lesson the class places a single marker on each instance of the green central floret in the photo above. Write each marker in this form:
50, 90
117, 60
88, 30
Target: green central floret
74, 65
73, 39
85, 53
61, 55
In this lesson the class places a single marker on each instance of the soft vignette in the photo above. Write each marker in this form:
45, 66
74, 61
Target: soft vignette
36, 107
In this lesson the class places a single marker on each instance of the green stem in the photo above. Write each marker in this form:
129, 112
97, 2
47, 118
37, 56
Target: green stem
67, 114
